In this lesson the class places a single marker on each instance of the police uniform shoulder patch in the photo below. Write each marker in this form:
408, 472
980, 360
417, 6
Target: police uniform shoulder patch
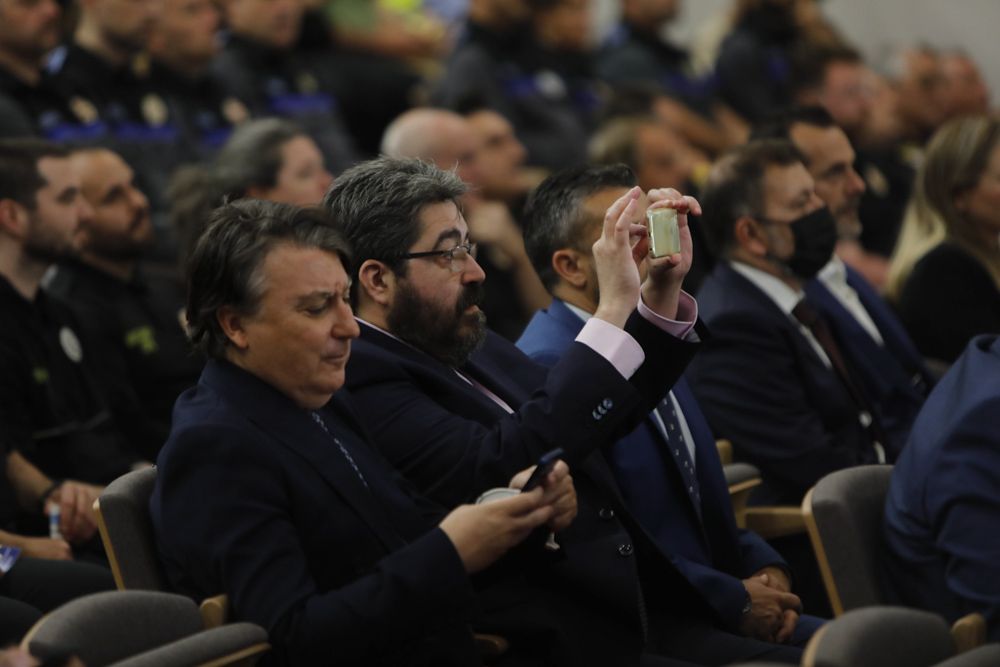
154, 109
70, 345
234, 111
83, 109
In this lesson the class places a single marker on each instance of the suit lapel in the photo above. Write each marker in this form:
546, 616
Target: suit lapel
292, 427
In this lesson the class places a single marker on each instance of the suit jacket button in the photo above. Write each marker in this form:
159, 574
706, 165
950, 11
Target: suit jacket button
625, 550
606, 513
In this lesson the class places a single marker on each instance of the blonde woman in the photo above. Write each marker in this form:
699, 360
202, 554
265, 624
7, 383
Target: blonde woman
946, 272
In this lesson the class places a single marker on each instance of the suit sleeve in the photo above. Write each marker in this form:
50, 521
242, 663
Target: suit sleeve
750, 387
248, 540
964, 507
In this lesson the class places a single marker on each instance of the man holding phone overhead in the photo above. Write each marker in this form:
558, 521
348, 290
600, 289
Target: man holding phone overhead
456, 408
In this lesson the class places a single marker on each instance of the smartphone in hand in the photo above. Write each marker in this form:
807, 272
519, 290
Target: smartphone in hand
546, 462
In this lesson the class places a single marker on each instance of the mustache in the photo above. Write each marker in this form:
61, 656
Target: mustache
472, 295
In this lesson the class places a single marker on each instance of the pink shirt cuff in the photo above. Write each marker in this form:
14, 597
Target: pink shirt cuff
620, 349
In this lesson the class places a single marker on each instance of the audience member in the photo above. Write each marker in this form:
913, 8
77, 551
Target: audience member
267, 489
28, 103
261, 67
130, 317
182, 44
447, 140
870, 334
771, 378
270, 158
942, 552
502, 172
966, 93
668, 469
955, 208
637, 54
498, 65
52, 412
455, 407
917, 77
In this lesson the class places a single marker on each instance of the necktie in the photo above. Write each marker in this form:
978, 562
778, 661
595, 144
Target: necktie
343, 450
810, 317
671, 429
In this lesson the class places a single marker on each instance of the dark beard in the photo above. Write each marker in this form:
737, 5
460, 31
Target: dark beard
436, 331
47, 249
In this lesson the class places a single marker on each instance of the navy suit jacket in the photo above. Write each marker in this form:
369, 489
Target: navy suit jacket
943, 508
893, 375
702, 541
763, 386
252, 499
452, 440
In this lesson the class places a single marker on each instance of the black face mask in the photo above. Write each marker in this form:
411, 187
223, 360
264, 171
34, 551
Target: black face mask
815, 236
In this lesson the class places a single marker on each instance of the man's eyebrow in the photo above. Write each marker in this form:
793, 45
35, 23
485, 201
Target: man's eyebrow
448, 234
312, 297
68, 194
112, 193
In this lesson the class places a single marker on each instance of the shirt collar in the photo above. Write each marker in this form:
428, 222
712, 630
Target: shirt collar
834, 274
784, 296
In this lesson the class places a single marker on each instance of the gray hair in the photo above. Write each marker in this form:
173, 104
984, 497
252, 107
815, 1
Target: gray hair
225, 266
378, 203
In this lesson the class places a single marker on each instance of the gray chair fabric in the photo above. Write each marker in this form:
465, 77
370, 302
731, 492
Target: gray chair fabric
883, 637
124, 508
987, 655
739, 472
105, 627
209, 645
848, 506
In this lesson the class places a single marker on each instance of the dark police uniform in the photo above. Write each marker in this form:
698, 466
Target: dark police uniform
50, 408
134, 331
551, 100
140, 123
289, 85
39, 110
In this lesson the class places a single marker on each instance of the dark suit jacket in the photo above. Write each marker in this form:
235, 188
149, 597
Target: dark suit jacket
702, 541
452, 440
252, 499
761, 385
893, 375
943, 507
948, 276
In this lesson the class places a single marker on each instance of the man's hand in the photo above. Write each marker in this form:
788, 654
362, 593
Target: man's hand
774, 577
559, 492
483, 533
623, 243
773, 613
662, 288
43, 547
77, 521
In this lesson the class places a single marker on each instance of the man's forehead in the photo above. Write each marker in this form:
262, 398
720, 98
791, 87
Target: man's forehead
784, 183
821, 145
58, 172
439, 219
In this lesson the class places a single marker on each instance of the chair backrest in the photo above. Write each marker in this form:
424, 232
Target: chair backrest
881, 637
987, 655
127, 531
106, 627
843, 514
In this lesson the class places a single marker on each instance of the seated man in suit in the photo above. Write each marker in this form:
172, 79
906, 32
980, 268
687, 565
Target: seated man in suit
267, 489
771, 377
668, 468
942, 549
891, 370
456, 408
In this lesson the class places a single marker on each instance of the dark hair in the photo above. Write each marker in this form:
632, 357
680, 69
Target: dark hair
225, 267
251, 157
377, 203
778, 125
631, 99
553, 216
20, 179
735, 188
809, 64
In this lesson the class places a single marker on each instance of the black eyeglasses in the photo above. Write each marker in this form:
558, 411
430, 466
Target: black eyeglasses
456, 256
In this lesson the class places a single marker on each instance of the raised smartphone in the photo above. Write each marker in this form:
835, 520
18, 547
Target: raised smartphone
664, 235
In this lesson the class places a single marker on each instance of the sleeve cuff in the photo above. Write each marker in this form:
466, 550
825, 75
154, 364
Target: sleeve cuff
614, 344
687, 315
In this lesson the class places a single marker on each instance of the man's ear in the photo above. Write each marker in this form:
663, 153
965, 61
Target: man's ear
376, 281
570, 266
233, 324
749, 235
13, 218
